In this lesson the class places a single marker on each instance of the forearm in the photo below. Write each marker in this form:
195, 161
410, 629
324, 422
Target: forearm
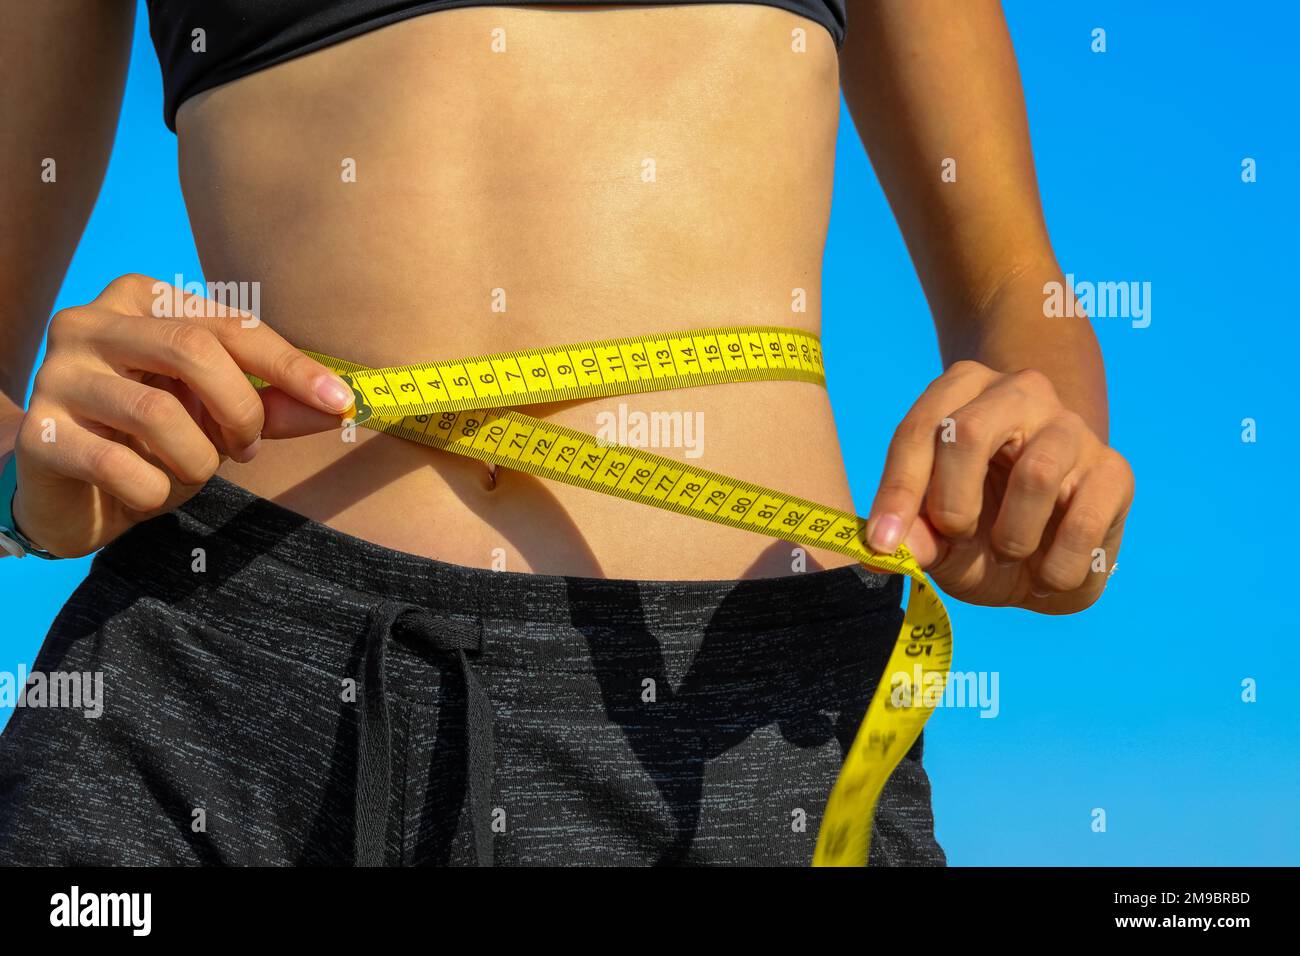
1009, 329
65, 64
10, 415
935, 93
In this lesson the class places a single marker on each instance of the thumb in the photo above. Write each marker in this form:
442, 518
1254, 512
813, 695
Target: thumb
286, 417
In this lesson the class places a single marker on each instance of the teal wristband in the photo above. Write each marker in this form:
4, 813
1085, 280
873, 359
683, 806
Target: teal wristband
11, 539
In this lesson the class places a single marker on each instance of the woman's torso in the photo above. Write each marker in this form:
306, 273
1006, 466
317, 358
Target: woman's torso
610, 172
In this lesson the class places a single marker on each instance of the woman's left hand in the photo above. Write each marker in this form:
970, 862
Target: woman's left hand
1004, 495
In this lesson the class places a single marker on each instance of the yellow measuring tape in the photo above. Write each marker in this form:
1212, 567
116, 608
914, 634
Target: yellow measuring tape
448, 405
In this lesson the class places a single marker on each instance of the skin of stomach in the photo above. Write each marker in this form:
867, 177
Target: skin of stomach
608, 173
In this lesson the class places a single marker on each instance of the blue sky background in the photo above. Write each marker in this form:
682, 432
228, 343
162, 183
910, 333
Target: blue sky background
1134, 706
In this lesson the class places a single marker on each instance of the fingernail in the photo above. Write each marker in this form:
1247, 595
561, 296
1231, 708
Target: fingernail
886, 533
1041, 594
246, 454
334, 393
1005, 562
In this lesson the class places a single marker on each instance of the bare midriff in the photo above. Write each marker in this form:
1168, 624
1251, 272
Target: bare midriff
419, 193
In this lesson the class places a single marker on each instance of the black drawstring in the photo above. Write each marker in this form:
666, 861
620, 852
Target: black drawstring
374, 733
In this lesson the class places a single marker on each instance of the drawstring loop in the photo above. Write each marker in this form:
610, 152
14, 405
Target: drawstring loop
375, 737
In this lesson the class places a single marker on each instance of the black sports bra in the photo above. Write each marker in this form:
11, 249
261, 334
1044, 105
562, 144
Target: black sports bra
243, 36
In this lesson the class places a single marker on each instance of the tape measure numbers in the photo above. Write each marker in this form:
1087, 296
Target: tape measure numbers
450, 405
610, 367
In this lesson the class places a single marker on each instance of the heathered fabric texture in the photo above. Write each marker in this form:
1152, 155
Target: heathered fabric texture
625, 722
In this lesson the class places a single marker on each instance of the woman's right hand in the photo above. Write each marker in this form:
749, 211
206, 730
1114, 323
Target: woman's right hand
131, 414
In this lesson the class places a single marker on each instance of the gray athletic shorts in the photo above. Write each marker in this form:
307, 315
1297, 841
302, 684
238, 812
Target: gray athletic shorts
277, 692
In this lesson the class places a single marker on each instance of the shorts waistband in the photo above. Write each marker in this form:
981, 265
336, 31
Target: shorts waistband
248, 530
